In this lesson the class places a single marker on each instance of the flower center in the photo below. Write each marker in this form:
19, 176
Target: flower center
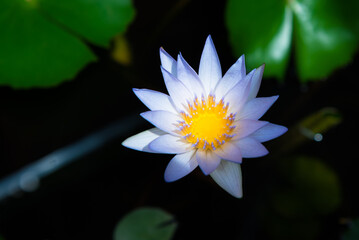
207, 125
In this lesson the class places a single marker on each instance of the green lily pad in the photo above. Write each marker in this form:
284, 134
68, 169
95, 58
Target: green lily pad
313, 190
323, 35
41, 41
146, 224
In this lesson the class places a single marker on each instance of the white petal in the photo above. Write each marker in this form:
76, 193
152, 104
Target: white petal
238, 95
164, 120
257, 107
168, 62
180, 95
246, 127
230, 152
141, 140
228, 176
189, 77
155, 100
180, 165
207, 161
256, 82
169, 144
268, 132
251, 148
209, 67
235, 73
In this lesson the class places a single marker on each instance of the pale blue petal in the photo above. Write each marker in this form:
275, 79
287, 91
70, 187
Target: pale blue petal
251, 148
230, 152
168, 62
209, 67
180, 165
155, 100
180, 95
257, 107
141, 140
238, 95
207, 161
228, 176
235, 73
268, 132
189, 77
256, 82
169, 144
246, 127
164, 120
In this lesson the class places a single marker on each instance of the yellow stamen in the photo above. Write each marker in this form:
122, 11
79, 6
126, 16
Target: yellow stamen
207, 125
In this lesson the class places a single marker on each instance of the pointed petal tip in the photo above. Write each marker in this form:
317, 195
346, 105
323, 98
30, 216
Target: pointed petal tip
163, 51
124, 143
135, 91
228, 176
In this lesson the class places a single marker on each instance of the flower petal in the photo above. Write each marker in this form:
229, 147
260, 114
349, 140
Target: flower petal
169, 144
178, 92
189, 77
255, 108
164, 120
256, 82
235, 73
168, 62
268, 132
180, 165
246, 127
207, 161
238, 95
141, 140
209, 67
251, 148
230, 152
228, 176
155, 100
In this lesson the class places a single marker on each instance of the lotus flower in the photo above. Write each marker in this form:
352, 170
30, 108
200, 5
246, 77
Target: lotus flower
207, 120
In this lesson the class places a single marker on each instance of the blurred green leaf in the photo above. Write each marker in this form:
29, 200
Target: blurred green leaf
307, 189
321, 121
96, 20
312, 127
325, 38
353, 232
146, 224
261, 30
323, 41
313, 189
40, 44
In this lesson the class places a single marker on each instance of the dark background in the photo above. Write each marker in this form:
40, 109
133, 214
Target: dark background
85, 199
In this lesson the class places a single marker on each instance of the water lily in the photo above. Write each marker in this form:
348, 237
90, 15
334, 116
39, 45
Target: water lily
207, 120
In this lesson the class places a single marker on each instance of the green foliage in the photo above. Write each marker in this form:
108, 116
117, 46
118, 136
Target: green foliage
41, 41
146, 224
310, 181
324, 34
308, 190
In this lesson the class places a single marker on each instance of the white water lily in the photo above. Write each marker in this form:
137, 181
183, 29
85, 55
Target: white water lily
207, 120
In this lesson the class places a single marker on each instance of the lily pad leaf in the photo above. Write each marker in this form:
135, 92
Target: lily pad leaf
310, 181
40, 45
323, 36
146, 224
96, 20
263, 35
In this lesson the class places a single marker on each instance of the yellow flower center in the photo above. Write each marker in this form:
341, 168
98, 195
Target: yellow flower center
207, 125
